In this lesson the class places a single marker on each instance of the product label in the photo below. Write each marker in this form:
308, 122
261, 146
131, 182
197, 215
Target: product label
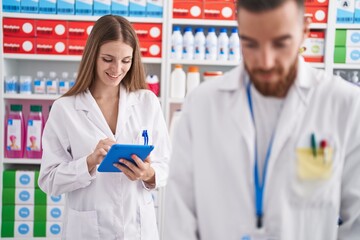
39, 86
63, 87
25, 179
51, 87
14, 135
33, 135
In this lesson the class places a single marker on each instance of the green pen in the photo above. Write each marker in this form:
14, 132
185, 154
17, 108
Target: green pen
313, 144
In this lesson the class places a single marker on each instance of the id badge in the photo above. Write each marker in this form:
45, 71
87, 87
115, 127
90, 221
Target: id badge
259, 234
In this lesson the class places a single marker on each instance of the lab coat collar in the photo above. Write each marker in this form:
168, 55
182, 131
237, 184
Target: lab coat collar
86, 102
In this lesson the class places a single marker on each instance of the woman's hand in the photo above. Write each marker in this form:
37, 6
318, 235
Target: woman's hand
141, 171
99, 153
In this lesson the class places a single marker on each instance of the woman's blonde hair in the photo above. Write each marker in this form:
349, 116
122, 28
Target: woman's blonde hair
106, 29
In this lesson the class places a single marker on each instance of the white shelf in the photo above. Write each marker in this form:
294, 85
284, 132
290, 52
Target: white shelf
347, 26
317, 65
346, 66
318, 26
66, 58
204, 22
31, 96
205, 62
176, 100
21, 161
77, 17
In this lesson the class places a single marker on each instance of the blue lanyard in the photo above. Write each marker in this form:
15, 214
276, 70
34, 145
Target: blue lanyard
259, 187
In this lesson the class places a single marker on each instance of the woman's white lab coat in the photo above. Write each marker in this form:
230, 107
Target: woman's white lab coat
210, 194
103, 205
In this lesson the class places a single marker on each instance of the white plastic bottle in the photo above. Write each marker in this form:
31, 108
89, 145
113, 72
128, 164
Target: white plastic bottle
188, 44
192, 79
223, 45
64, 84
52, 84
39, 83
211, 45
73, 80
234, 46
199, 44
177, 82
355, 78
176, 43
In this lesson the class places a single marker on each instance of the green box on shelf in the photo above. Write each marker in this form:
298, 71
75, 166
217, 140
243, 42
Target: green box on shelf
8, 213
40, 229
40, 197
40, 213
21, 179
7, 229
340, 38
340, 55
8, 196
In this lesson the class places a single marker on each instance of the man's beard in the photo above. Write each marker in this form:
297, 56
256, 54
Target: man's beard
274, 89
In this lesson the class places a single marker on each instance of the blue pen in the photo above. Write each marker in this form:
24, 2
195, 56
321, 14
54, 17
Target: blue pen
313, 144
145, 136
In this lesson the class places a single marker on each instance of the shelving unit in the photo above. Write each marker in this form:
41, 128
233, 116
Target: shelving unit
24, 64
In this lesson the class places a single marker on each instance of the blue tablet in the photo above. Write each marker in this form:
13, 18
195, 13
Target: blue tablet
124, 151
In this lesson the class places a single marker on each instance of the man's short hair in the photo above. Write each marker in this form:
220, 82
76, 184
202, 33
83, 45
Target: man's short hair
264, 5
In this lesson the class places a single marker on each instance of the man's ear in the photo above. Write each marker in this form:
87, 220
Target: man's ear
307, 22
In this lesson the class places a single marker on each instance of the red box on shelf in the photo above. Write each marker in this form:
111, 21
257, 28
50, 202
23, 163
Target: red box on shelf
19, 45
219, 10
51, 29
76, 46
150, 49
188, 9
316, 3
18, 27
79, 30
148, 31
51, 46
318, 14
313, 48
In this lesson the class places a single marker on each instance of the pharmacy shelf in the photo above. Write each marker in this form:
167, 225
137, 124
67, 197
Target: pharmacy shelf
176, 100
318, 26
205, 62
43, 57
347, 26
31, 96
204, 22
346, 66
77, 17
22, 161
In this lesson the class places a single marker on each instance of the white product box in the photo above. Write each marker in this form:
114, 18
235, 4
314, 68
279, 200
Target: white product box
120, 7
23, 229
54, 213
24, 196
345, 11
137, 8
55, 200
154, 8
102, 7
84, 7
24, 212
25, 179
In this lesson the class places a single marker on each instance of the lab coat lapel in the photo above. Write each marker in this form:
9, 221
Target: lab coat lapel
294, 109
86, 102
126, 108
239, 110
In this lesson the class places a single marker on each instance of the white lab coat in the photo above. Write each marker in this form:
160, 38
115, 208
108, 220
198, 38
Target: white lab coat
210, 193
103, 205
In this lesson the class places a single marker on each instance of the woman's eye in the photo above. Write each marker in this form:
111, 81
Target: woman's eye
107, 59
126, 62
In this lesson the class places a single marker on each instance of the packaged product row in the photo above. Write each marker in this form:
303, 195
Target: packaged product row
132, 8
348, 11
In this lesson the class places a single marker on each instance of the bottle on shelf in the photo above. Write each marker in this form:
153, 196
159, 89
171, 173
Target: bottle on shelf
176, 43
11, 84
177, 82
152, 82
39, 83
64, 84
192, 79
14, 134
223, 45
199, 44
355, 77
52, 84
234, 46
188, 44
212, 75
73, 80
25, 85
211, 45
34, 129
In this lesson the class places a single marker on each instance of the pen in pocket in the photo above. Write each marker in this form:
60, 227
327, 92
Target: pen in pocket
146, 137
313, 144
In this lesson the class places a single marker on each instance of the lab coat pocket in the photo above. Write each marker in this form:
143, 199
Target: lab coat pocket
82, 225
148, 222
310, 167
144, 137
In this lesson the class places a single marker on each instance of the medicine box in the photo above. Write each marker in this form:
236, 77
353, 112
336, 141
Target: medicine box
188, 9
19, 27
347, 55
47, 6
66, 7
102, 7
154, 8
84, 7
137, 8
345, 10
29, 6
120, 7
